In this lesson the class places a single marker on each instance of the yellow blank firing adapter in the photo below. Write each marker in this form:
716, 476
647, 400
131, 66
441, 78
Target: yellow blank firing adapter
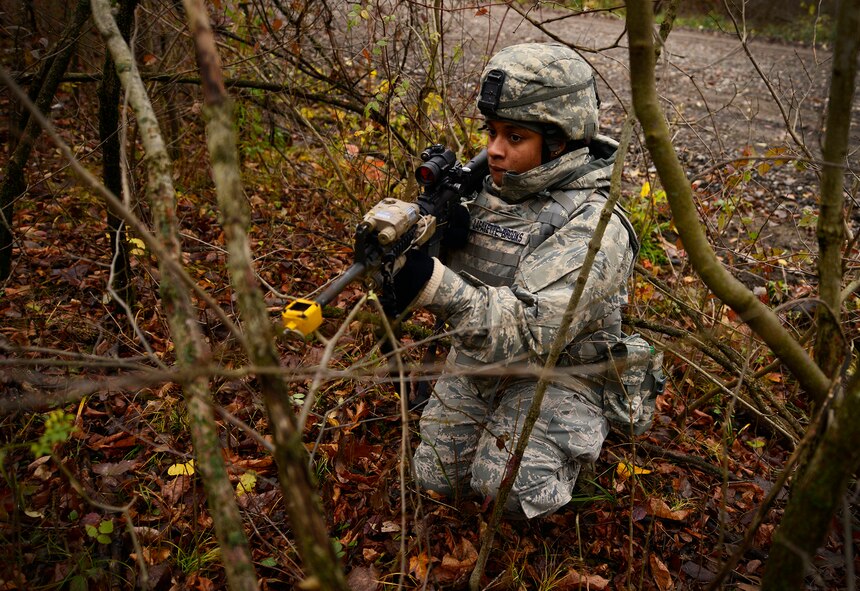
304, 316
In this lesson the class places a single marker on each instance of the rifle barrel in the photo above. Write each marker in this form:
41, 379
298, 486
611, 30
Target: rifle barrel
339, 284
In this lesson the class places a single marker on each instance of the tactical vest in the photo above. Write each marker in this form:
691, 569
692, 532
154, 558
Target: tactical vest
502, 234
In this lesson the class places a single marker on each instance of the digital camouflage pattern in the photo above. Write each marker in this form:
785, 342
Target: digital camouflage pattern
546, 83
469, 427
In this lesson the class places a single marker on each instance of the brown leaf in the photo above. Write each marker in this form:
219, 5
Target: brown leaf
458, 564
658, 508
120, 439
199, 583
661, 574
698, 572
363, 578
418, 566
114, 468
173, 490
574, 580
763, 536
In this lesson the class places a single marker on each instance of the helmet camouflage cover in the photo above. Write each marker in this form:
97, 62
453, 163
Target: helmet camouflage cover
544, 84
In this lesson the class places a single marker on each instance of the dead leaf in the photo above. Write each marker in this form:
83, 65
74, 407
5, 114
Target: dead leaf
145, 534
661, 574
363, 578
698, 572
763, 536
114, 468
574, 580
173, 490
658, 508
418, 566
457, 564
185, 469
199, 583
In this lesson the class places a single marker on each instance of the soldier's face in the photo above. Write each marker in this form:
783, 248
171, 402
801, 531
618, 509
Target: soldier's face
511, 148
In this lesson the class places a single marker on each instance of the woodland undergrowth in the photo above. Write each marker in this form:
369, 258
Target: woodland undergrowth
661, 511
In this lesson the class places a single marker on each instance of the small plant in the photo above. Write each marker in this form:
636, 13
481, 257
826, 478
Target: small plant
58, 427
101, 531
197, 557
649, 221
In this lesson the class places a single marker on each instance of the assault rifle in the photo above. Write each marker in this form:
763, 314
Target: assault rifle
393, 227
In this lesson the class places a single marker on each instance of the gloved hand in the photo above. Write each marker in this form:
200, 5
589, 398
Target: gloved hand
457, 229
407, 283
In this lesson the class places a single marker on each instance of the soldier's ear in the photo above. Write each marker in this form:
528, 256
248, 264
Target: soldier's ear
556, 148
554, 139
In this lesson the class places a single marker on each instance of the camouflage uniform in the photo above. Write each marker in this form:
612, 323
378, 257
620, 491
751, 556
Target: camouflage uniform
504, 295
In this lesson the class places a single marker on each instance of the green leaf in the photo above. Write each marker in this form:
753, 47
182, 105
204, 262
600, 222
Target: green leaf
269, 561
78, 583
91, 531
103, 539
106, 526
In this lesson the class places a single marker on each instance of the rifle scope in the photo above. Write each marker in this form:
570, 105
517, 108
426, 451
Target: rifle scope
437, 161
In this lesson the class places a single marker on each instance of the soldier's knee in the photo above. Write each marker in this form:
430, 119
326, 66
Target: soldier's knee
537, 491
430, 474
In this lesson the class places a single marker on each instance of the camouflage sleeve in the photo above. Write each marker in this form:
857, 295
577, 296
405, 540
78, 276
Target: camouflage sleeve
492, 324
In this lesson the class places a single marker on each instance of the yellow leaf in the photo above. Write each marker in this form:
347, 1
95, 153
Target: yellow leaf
186, 469
138, 247
646, 189
625, 470
247, 482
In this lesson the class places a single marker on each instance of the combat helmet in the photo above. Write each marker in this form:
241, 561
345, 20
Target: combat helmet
543, 85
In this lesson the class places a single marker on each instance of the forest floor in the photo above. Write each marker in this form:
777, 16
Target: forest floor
661, 511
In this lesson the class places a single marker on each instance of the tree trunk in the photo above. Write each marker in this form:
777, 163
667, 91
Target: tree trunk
13, 184
823, 482
830, 345
109, 134
303, 504
815, 497
189, 345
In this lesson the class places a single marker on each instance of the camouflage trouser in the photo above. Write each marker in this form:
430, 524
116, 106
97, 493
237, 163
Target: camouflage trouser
469, 430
